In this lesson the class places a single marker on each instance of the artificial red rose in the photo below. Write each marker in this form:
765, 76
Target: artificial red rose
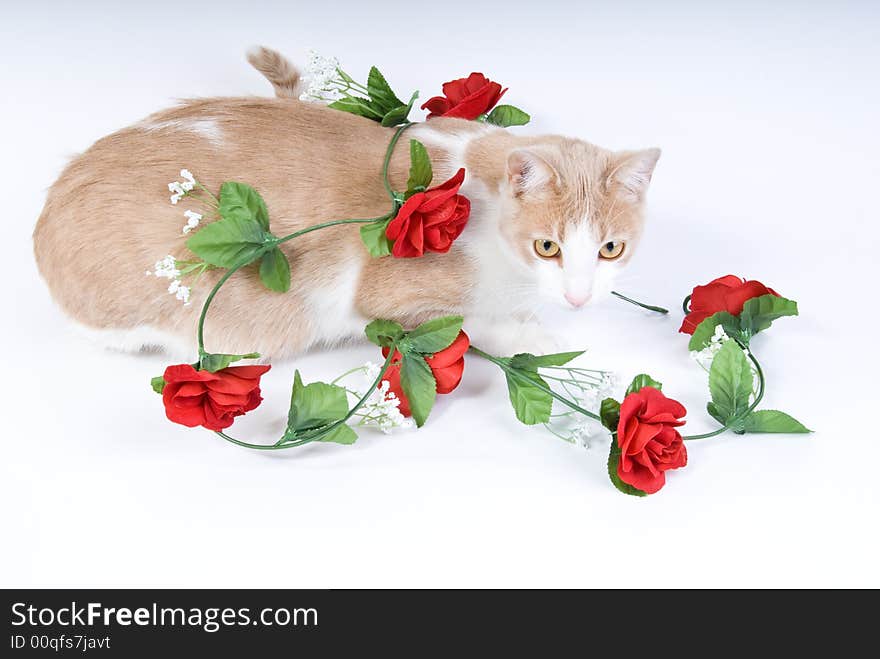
430, 221
727, 293
465, 98
213, 400
649, 443
446, 365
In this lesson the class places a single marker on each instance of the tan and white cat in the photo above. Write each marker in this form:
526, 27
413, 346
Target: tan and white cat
552, 219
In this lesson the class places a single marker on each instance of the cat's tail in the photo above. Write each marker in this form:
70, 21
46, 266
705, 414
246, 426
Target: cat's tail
277, 70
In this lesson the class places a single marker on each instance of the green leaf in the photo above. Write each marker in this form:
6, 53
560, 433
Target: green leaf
399, 114
384, 332
241, 201
420, 171
730, 382
394, 116
613, 461
217, 361
773, 421
640, 382
341, 434
275, 271
158, 383
419, 386
760, 312
531, 404
373, 236
229, 242
609, 413
315, 405
715, 413
508, 115
532, 362
359, 106
434, 335
381, 92
706, 329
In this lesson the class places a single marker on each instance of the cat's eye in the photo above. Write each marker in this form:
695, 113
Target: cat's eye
611, 250
546, 248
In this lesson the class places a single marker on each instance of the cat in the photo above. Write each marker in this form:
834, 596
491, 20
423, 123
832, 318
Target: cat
553, 219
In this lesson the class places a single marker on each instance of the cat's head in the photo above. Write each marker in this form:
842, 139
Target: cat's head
572, 215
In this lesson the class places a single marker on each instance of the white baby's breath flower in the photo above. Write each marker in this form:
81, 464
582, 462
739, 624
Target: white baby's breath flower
583, 432
609, 384
705, 356
192, 220
371, 371
177, 191
382, 407
182, 294
180, 189
590, 398
189, 182
166, 268
321, 73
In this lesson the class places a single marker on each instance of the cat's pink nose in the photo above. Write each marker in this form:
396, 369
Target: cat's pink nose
577, 300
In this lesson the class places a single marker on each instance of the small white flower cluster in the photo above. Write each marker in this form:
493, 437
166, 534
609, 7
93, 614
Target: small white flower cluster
167, 269
192, 221
583, 432
705, 356
593, 396
382, 408
179, 189
578, 429
321, 73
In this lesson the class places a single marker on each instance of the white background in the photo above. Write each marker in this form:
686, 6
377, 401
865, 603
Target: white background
767, 116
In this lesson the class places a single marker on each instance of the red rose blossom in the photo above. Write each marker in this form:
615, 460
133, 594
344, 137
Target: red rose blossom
648, 440
446, 365
728, 294
465, 98
213, 400
430, 221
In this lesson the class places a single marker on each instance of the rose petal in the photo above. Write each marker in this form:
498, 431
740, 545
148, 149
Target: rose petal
452, 353
449, 377
736, 298
186, 373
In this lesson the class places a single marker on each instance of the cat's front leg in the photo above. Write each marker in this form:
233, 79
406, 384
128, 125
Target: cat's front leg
508, 336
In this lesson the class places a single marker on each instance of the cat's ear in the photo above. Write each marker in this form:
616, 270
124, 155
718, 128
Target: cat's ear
630, 173
529, 172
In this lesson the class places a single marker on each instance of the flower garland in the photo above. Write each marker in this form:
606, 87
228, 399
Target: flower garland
423, 362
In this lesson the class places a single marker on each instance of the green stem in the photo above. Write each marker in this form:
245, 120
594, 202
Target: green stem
324, 225
347, 373
739, 417
562, 399
685, 305
385, 164
209, 193
640, 304
316, 434
388, 153
320, 432
208, 300
278, 241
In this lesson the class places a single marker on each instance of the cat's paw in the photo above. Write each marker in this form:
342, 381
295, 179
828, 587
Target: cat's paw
534, 339
505, 339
